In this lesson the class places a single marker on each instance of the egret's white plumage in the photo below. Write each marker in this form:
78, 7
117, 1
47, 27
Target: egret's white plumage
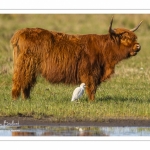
78, 92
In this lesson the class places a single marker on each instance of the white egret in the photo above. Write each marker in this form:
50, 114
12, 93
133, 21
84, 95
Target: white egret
78, 92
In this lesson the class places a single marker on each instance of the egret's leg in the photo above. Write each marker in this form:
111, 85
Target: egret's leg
77, 101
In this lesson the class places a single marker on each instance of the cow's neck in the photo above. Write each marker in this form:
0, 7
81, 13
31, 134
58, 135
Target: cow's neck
111, 55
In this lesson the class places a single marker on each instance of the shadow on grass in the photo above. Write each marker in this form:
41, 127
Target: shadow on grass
121, 99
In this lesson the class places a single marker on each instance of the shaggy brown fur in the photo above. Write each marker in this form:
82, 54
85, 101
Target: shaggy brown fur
69, 59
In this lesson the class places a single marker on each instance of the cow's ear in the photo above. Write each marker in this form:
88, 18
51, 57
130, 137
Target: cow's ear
134, 29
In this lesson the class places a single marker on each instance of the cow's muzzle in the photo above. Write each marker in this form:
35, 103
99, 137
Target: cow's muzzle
136, 49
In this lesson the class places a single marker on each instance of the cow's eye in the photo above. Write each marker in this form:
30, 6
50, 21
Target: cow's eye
123, 37
135, 38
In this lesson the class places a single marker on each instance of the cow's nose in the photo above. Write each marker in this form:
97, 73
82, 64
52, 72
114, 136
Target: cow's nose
138, 47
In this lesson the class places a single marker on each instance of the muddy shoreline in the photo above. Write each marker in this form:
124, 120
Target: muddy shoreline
28, 121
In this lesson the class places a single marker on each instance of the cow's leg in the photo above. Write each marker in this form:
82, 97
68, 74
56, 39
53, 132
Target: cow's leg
91, 86
24, 76
26, 92
108, 71
91, 90
16, 88
27, 87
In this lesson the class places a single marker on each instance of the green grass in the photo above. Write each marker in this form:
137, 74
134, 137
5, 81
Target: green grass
125, 95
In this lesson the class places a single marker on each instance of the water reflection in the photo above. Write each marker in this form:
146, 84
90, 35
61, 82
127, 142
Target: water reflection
58, 131
73, 131
20, 133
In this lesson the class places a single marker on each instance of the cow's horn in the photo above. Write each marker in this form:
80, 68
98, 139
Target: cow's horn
134, 29
111, 31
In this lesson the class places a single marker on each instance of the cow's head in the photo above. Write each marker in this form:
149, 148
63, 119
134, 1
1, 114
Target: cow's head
126, 38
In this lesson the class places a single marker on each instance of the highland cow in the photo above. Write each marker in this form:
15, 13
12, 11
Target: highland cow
69, 59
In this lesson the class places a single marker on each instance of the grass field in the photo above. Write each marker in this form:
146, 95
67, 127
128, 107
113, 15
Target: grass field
125, 95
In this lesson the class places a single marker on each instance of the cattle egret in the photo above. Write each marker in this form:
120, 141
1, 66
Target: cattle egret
78, 92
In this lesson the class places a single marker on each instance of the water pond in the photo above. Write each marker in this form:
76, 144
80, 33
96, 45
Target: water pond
73, 131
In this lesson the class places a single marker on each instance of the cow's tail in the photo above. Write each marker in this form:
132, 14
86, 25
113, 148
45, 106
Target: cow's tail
15, 47
16, 87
